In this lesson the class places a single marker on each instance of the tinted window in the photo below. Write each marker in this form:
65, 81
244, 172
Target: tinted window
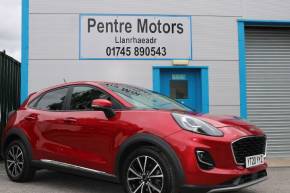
33, 103
53, 100
83, 96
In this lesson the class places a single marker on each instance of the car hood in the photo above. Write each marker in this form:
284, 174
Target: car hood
223, 120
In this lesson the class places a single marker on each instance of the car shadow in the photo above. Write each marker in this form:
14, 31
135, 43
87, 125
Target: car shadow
74, 183
56, 182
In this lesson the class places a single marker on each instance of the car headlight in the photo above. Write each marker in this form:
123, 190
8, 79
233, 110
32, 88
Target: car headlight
196, 125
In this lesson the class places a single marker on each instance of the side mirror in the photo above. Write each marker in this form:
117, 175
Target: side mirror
105, 106
101, 103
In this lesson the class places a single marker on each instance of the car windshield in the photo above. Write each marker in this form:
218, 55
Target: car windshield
144, 99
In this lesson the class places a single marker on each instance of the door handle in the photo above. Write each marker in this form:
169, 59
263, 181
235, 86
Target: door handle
70, 120
32, 117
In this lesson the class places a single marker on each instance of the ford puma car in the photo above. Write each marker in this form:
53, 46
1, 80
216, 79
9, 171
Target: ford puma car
146, 141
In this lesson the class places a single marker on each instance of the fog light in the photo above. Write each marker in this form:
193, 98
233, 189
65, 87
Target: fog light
204, 160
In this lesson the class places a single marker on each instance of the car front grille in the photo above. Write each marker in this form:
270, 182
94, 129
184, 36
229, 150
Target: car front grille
248, 146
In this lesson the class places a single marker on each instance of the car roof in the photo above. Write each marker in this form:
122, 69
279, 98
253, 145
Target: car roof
97, 83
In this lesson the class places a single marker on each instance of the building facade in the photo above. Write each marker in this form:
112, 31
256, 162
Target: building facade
234, 55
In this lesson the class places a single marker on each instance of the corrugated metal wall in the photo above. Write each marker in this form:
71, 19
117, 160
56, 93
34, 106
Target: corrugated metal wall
268, 84
9, 86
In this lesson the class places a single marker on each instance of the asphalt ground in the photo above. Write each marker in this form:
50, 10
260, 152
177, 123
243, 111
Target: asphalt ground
55, 182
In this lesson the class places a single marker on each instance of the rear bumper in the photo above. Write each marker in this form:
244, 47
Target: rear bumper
232, 185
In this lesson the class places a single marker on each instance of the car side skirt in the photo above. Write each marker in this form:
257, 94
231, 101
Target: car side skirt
73, 169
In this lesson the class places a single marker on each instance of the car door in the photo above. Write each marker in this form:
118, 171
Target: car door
89, 135
47, 113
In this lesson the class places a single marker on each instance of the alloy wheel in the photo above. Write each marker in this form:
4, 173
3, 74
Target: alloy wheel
15, 161
145, 175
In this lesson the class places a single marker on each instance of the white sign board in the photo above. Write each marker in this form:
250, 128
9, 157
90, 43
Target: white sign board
135, 37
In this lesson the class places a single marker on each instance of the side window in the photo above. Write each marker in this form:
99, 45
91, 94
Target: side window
83, 96
53, 100
33, 103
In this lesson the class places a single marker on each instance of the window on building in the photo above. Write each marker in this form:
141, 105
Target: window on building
179, 89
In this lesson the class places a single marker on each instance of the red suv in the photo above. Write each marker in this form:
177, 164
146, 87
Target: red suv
147, 141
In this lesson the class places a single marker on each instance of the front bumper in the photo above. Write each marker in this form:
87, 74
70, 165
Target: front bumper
232, 185
185, 146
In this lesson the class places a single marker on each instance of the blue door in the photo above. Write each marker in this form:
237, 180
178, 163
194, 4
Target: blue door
183, 85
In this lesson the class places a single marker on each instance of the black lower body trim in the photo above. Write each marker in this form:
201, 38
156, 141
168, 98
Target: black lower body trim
78, 172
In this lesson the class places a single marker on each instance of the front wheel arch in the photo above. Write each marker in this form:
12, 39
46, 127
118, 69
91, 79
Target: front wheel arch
16, 134
141, 140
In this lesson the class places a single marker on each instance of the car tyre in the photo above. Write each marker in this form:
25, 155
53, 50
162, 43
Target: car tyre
18, 163
148, 170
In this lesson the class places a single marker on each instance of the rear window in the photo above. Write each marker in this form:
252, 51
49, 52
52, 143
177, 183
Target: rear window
51, 101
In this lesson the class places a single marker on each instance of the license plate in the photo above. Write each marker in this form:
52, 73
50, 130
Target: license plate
255, 160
